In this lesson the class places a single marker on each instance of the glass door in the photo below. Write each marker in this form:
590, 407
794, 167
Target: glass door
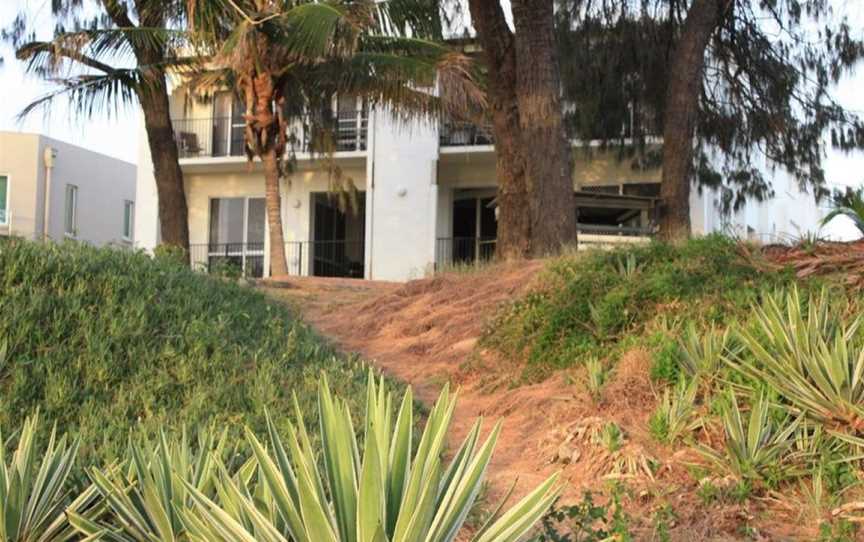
237, 233
238, 128
222, 124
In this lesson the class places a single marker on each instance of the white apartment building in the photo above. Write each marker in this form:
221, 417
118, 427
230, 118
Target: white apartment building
425, 192
53, 190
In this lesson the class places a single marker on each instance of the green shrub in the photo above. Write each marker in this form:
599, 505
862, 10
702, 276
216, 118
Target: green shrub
104, 340
586, 522
592, 302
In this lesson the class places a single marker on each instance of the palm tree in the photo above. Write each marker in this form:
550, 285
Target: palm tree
849, 204
286, 59
110, 60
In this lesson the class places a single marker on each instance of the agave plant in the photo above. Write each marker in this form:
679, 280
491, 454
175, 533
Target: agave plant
849, 204
34, 488
813, 362
702, 352
144, 499
379, 491
674, 416
754, 447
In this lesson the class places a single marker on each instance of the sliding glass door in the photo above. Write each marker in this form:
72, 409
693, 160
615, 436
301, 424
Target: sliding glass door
237, 230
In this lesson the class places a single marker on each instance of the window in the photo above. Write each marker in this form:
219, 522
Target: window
237, 227
4, 200
128, 218
71, 211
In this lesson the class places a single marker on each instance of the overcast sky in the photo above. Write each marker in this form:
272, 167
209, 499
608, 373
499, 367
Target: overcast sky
118, 136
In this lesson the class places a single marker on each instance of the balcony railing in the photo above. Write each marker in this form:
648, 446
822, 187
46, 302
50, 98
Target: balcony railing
451, 251
339, 258
223, 136
459, 134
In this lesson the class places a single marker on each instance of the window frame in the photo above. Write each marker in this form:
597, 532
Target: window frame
73, 189
4, 220
130, 205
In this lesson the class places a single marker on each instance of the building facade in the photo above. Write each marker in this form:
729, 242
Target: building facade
53, 190
423, 194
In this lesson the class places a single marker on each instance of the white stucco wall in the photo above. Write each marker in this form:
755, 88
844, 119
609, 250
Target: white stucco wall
404, 198
104, 184
146, 202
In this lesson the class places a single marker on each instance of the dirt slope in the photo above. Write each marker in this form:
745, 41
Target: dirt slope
425, 333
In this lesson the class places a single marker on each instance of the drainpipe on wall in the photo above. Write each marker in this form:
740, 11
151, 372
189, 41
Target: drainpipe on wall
49, 154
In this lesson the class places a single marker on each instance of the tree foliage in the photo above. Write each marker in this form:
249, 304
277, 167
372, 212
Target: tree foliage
766, 95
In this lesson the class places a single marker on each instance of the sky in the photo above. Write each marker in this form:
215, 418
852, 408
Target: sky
117, 134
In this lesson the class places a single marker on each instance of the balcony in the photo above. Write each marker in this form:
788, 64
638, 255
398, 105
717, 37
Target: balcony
224, 137
465, 134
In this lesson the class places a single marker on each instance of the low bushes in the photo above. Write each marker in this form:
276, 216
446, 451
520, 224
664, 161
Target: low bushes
590, 304
103, 341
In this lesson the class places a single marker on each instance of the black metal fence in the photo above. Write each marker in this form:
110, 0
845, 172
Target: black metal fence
456, 134
246, 259
224, 136
463, 250
340, 258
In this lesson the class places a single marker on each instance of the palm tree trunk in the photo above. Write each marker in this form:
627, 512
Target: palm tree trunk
173, 211
682, 109
548, 158
273, 201
514, 221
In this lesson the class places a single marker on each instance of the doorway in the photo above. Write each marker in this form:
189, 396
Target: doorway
339, 237
475, 229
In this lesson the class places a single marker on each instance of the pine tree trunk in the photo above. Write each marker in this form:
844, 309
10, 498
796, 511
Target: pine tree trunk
682, 109
514, 224
273, 201
548, 158
173, 211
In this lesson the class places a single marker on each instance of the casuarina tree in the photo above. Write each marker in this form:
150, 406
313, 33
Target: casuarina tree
747, 86
537, 212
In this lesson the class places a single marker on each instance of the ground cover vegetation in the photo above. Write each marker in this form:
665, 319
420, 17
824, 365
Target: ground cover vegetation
757, 372
101, 341
142, 401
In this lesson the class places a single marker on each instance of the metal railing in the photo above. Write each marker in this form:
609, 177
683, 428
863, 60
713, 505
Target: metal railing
246, 259
469, 250
463, 250
458, 134
339, 258
222, 136
622, 231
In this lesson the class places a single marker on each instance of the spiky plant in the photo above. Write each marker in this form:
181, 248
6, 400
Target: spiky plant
815, 363
377, 491
675, 414
753, 448
35, 488
596, 375
145, 498
702, 351
849, 204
